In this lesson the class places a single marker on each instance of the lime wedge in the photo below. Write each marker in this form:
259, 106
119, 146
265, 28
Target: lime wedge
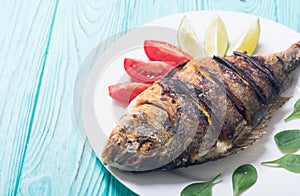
247, 41
188, 40
216, 40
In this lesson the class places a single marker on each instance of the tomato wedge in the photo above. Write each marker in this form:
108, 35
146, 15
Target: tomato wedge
146, 71
163, 51
126, 91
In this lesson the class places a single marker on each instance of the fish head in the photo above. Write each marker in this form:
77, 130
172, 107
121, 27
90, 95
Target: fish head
148, 138
141, 140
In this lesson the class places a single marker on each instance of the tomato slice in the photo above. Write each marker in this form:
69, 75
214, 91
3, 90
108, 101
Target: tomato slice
163, 51
146, 71
126, 91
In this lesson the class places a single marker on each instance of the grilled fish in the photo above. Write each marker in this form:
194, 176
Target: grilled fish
202, 110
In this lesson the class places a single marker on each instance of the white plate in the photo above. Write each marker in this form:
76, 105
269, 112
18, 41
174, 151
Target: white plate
96, 113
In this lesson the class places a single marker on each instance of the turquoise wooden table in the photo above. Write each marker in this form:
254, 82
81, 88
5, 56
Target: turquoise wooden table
42, 45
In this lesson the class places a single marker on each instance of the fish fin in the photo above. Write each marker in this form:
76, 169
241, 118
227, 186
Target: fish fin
248, 139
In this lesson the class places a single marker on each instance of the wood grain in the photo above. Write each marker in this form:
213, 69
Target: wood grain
279, 11
42, 46
23, 47
288, 14
76, 171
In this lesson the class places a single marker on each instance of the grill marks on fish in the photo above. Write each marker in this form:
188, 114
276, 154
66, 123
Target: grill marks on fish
216, 97
209, 96
263, 68
192, 120
241, 73
242, 93
188, 86
208, 126
226, 89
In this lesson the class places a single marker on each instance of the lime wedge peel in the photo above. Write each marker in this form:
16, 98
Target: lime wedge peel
247, 41
188, 40
216, 39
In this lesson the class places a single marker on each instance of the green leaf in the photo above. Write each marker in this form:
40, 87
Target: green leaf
199, 189
243, 178
296, 112
288, 141
290, 162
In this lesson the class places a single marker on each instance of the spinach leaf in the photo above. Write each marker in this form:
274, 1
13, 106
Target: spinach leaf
296, 112
243, 178
288, 141
197, 189
290, 162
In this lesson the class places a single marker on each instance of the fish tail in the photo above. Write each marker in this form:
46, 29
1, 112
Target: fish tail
291, 57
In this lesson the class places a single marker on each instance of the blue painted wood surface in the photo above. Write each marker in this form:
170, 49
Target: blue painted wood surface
42, 45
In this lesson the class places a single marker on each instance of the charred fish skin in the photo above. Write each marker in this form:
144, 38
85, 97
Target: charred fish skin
159, 144
202, 110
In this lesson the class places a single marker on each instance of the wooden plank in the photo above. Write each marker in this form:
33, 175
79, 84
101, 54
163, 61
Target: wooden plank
279, 11
289, 14
259, 8
24, 38
57, 162
141, 12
